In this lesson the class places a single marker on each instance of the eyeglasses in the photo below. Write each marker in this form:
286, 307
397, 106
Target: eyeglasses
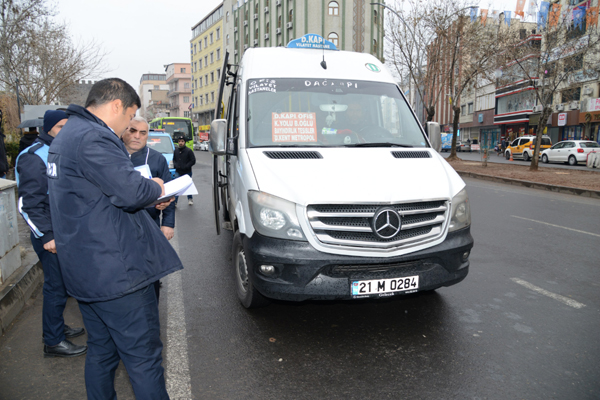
133, 130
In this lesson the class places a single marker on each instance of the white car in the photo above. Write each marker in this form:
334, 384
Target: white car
570, 151
204, 146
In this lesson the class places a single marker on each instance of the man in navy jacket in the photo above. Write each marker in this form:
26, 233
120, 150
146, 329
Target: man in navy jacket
110, 250
33, 205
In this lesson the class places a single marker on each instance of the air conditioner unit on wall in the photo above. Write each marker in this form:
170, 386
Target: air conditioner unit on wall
278, 31
256, 42
277, 2
588, 90
235, 29
559, 107
266, 36
266, 9
245, 23
255, 16
574, 105
289, 25
538, 108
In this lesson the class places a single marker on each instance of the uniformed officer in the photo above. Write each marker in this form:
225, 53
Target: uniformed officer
34, 207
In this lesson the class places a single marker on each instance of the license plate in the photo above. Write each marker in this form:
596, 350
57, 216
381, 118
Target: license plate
383, 286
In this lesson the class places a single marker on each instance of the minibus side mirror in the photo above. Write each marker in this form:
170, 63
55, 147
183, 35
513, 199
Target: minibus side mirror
218, 133
435, 135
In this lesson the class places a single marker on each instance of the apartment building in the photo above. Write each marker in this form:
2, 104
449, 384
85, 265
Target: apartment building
351, 25
206, 50
179, 84
148, 83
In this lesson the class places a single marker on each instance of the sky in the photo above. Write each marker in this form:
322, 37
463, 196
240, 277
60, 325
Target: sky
142, 36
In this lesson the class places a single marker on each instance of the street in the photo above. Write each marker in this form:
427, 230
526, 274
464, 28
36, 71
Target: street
523, 324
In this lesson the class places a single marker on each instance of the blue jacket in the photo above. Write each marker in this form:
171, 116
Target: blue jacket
107, 244
159, 169
30, 172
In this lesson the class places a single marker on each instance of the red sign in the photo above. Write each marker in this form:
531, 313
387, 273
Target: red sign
562, 119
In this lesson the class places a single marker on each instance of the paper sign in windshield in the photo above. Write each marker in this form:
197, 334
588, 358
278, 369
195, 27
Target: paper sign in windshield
294, 127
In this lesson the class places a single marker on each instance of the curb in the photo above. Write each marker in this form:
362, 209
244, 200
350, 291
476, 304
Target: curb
594, 194
17, 291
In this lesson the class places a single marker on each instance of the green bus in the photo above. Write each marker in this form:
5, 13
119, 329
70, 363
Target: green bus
176, 127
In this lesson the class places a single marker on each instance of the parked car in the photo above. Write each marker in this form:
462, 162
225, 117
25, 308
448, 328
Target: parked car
523, 147
570, 151
204, 146
463, 146
197, 145
162, 142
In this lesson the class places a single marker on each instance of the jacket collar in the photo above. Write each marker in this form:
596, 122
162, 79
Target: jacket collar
143, 151
45, 138
84, 113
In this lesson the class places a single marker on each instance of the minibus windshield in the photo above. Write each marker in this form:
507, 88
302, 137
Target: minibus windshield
328, 113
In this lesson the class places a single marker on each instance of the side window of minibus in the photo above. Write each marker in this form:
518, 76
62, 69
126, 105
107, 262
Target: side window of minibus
231, 112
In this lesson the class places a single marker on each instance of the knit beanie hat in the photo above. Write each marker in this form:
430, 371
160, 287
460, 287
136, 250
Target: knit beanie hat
52, 117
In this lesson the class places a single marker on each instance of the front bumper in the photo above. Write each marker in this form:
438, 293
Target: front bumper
303, 273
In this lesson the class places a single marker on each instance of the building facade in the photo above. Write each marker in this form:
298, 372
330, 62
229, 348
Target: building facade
206, 50
77, 93
179, 92
148, 83
353, 25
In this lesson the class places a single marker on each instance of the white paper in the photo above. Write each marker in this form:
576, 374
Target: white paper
179, 187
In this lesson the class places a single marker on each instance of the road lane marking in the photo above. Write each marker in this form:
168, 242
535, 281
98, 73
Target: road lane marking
562, 299
177, 371
557, 226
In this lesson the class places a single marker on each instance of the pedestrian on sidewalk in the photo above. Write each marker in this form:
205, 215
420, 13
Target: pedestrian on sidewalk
110, 250
30, 172
135, 140
183, 160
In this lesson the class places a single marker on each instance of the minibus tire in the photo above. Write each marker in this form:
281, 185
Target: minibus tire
247, 294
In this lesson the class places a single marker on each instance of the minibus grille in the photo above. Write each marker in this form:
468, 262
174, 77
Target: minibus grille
378, 226
411, 154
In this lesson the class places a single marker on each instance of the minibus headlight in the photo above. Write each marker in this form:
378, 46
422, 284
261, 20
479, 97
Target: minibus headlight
274, 217
460, 212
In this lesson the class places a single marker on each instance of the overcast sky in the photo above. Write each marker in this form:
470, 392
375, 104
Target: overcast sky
142, 36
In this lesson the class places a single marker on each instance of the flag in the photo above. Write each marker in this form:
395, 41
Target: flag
474, 13
554, 15
578, 14
543, 15
494, 14
484, 16
591, 17
520, 6
532, 9
507, 16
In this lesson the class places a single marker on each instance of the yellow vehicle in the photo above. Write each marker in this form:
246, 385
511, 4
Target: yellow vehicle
176, 127
523, 147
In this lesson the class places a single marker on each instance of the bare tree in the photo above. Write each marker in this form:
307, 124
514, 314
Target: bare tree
554, 67
40, 53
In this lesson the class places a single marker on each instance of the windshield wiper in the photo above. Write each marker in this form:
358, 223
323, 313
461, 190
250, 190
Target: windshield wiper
384, 144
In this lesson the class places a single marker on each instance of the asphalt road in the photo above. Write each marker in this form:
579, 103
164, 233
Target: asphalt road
524, 323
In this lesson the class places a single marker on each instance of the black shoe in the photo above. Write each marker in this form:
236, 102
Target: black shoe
73, 332
64, 349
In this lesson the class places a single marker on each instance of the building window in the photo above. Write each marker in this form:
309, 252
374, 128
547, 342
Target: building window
218, 73
571, 95
375, 46
470, 106
186, 114
212, 58
227, 17
200, 45
194, 49
246, 40
279, 21
186, 85
212, 77
218, 33
266, 3
186, 99
333, 38
218, 54
256, 8
463, 110
334, 8
206, 41
206, 61
195, 83
201, 100
290, 15
256, 34
212, 97
211, 38
182, 70
246, 15
227, 39
200, 82
195, 66
375, 17
267, 27
206, 98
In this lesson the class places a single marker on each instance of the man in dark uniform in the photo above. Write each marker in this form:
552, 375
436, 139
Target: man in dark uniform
33, 205
135, 140
110, 250
183, 160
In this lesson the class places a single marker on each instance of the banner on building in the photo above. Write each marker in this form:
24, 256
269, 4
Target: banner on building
484, 14
591, 17
520, 7
507, 17
554, 15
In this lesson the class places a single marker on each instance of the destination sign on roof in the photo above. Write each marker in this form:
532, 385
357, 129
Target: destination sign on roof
311, 41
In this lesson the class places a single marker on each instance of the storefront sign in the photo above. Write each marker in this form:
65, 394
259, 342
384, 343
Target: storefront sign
589, 117
562, 119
